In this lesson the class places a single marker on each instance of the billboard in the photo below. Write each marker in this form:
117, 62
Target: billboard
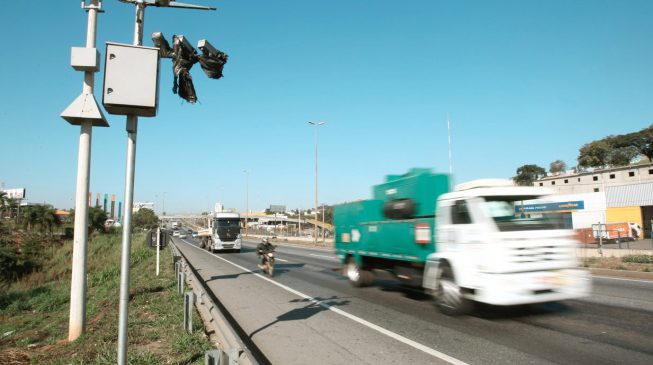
550, 207
277, 208
15, 193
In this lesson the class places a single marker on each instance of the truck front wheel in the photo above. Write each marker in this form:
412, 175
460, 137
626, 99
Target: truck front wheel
448, 296
209, 243
356, 275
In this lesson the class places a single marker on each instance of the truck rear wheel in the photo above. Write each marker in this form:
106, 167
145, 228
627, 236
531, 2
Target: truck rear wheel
356, 275
448, 296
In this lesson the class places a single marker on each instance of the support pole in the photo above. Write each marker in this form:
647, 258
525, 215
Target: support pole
158, 249
132, 130
316, 219
77, 320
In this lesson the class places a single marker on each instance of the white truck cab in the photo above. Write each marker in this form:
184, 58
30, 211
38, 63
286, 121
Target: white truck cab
223, 233
490, 251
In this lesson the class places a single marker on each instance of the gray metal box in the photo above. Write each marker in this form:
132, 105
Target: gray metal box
85, 59
131, 80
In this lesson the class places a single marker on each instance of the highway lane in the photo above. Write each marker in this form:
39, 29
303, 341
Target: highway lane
612, 326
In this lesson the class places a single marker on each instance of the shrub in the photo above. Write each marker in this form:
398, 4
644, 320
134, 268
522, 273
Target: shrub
638, 259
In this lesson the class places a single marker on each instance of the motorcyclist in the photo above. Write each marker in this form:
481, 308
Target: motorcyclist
263, 248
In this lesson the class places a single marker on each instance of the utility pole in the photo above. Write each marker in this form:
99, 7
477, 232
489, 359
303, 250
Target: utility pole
246, 201
323, 235
317, 125
85, 112
132, 129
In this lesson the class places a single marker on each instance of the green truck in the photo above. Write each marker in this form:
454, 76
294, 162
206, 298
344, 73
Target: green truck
392, 231
473, 244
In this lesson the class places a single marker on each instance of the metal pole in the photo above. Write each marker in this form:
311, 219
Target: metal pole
316, 124
77, 320
158, 248
323, 236
450, 155
246, 201
132, 128
316, 143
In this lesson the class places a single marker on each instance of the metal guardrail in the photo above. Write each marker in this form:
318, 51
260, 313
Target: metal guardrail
233, 349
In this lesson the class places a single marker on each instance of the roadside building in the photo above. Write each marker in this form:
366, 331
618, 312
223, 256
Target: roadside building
622, 194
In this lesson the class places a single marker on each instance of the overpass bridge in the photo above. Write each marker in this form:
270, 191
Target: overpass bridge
259, 219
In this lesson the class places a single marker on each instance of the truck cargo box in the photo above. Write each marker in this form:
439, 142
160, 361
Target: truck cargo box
419, 185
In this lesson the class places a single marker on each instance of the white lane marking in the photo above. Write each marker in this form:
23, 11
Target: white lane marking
282, 260
325, 256
622, 279
398, 337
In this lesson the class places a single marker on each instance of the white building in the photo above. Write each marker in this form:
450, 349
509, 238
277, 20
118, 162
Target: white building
622, 194
140, 205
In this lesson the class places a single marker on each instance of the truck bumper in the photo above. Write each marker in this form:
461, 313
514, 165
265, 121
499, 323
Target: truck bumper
233, 245
532, 287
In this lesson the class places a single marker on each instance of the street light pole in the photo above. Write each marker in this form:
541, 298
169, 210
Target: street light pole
246, 201
323, 236
317, 125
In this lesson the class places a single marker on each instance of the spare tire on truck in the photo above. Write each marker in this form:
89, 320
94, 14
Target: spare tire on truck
399, 209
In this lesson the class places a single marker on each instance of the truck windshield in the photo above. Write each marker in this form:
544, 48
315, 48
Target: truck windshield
502, 210
232, 223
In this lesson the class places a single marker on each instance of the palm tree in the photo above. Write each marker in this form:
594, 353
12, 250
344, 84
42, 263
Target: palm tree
96, 218
41, 215
30, 217
3, 202
50, 219
12, 204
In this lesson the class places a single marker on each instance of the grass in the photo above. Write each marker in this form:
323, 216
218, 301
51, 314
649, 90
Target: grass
641, 263
34, 311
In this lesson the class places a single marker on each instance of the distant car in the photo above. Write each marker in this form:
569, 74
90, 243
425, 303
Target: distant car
175, 234
182, 235
194, 234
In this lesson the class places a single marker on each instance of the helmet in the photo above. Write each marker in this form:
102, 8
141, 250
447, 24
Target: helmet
265, 240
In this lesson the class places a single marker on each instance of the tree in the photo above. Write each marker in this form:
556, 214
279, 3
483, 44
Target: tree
50, 220
622, 156
557, 167
643, 141
145, 218
594, 154
3, 202
96, 218
527, 174
33, 216
13, 203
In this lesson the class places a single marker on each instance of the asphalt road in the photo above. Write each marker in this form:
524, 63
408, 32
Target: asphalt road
309, 314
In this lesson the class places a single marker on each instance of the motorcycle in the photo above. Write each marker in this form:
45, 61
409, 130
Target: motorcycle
268, 262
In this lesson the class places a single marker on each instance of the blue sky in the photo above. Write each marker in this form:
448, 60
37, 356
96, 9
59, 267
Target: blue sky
522, 81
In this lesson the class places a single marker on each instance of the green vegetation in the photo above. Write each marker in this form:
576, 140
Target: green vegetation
642, 263
610, 151
145, 218
557, 166
638, 259
527, 174
619, 150
34, 310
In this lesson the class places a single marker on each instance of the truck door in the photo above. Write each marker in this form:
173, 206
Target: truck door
455, 225
464, 228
